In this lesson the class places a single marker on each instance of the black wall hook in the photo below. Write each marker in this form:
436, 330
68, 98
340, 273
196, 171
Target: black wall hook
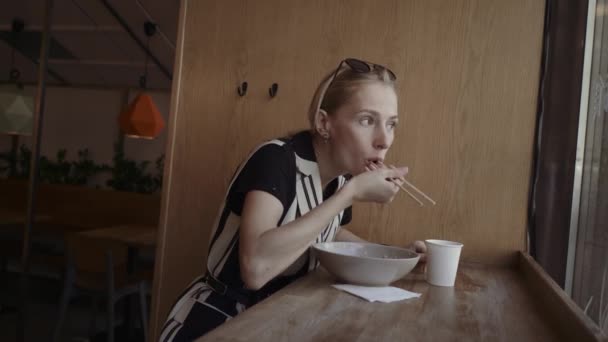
242, 89
273, 90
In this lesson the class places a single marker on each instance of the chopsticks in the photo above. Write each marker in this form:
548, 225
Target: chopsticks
415, 189
407, 192
418, 191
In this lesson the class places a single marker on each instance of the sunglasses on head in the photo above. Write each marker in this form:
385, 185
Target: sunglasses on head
362, 67
358, 66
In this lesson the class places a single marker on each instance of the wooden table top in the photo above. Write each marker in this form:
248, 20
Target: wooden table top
489, 304
136, 235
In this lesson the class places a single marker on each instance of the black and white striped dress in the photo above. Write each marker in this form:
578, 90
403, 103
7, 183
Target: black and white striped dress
287, 169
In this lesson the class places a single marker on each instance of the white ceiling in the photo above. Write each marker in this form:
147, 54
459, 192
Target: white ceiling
98, 50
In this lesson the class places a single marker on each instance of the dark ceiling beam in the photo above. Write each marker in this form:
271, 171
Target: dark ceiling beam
162, 34
94, 86
51, 72
124, 24
99, 62
34, 59
69, 28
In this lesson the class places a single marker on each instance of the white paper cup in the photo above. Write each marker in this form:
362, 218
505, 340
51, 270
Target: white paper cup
442, 261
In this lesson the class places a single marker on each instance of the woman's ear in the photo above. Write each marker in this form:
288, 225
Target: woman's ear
322, 124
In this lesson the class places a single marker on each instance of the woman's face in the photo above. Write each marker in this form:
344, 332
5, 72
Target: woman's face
362, 130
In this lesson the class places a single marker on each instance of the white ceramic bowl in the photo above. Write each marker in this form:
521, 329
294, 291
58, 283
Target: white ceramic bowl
365, 263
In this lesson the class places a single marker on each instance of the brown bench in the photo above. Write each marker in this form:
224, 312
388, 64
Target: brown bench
68, 209
74, 208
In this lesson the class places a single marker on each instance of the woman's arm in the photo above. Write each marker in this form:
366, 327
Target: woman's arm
265, 250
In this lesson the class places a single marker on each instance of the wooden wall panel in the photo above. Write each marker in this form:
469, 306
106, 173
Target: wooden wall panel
468, 73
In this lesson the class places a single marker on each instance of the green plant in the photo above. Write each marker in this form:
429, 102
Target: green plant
62, 171
15, 165
130, 175
23, 162
55, 172
84, 168
6, 160
160, 168
126, 174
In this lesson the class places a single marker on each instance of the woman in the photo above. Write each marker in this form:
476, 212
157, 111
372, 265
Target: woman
293, 192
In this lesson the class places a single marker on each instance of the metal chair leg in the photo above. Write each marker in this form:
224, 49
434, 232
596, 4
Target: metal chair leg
143, 305
94, 307
65, 301
110, 296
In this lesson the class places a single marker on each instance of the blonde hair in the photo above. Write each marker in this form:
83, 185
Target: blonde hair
342, 88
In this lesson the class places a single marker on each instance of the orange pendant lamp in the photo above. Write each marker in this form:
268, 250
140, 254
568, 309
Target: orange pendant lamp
141, 119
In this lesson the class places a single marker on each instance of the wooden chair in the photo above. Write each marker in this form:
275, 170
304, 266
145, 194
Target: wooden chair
98, 267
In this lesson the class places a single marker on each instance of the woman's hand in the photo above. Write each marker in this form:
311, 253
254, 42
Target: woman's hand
420, 248
375, 185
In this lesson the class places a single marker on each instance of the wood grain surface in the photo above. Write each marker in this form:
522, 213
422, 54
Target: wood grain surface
486, 304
